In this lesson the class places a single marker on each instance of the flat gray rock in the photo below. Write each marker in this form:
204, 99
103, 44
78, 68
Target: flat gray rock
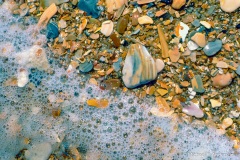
212, 47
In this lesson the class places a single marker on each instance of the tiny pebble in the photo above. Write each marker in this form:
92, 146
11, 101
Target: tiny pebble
212, 47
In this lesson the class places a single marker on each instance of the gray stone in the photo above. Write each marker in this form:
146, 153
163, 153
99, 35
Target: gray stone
139, 67
212, 47
238, 70
196, 23
85, 67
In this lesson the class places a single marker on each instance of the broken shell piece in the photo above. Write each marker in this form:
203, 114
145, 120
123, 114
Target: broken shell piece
215, 103
35, 57
72, 67
174, 54
22, 77
227, 122
83, 25
229, 5
144, 1
107, 28
145, 20
192, 45
222, 80
114, 4
182, 30
47, 15
192, 109
139, 67
177, 4
163, 42
98, 103
206, 24
199, 39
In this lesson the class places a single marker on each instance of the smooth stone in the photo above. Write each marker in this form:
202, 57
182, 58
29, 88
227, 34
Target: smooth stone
238, 70
212, 47
85, 67
117, 65
116, 40
196, 23
177, 4
145, 20
47, 3
90, 7
135, 17
222, 80
229, 5
192, 109
139, 67
199, 39
122, 24
197, 84
192, 45
52, 30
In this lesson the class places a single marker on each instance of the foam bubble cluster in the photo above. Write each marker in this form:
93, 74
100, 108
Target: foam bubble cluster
124, 130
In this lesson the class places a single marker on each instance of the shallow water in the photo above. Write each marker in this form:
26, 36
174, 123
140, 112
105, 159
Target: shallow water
125, 130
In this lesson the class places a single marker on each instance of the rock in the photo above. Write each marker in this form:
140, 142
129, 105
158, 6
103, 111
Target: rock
122, 24
215, 103
47, 3
199, 39
145, 20
139, 67
196, 23
98, 103
192, 109
90, 7
205, 24
47, 15
135, 17
52, 30
177, 4
144, 1
197, 84
115, 39
114, 4
86, 66
174, 54
222, 80
227, 122
222, 64
107, 28
212, 47
229, 5
238, 70
39, 151
192, 45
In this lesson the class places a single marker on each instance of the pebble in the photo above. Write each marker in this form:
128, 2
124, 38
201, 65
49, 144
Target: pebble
144, 1
122, 24
160, 13
212, 47
94, 36
145, 20
196, 23
238, 70
215, 103
52, 30
85, 67
98, 103
139, 67
62, 23
205, 24
174, 54
117, 65
222, 64
199, 39
192, 109
113, 5
192, 45
83, 24
110, 84
90, 7
222, 80
227, 122
229, 5
115, 39
197, 84
22, 77
107, 28
47, 3
135, 17
177, 4
162, 92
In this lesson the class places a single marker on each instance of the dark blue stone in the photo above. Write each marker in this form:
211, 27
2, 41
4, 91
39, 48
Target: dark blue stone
238, 26
52, 30
90, 7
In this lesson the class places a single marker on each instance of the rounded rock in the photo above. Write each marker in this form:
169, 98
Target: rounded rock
212, 47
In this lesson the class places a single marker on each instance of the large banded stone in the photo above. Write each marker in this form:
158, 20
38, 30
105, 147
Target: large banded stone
139, 67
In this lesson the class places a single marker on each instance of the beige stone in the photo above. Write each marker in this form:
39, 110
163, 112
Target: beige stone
222, 80
47, 15
229, 5
107, 28
145, 20
177, 4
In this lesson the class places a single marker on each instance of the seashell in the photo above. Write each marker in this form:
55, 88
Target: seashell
47, 3
229, 5
192, 109
52, 30
163, 42
22, 77
205, 24
107, 28
139, 67
182, 30
222, 80
47, 15
145, 20
114, 4
85, 67
199, 39
174, 54
83, 25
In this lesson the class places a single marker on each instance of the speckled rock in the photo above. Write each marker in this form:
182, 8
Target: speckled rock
212, 47
139, 67
90, 7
